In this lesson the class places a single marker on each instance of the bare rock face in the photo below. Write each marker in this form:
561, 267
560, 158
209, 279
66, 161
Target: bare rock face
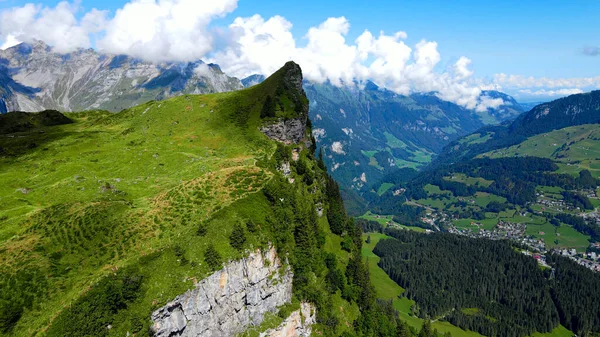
298, 324
287, 82
229, 301
290, 131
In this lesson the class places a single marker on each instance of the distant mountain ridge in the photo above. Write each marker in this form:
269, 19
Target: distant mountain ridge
34, 78
573, 110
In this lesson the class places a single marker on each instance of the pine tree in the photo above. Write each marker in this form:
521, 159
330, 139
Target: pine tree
202, 229
251, 226
212, 257
237, 237
426, 329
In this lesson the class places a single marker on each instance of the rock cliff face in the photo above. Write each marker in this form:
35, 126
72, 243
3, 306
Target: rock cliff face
298, 324
229, 301
286, 86
289, 131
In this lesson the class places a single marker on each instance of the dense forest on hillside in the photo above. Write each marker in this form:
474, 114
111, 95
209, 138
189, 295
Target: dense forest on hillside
488, 286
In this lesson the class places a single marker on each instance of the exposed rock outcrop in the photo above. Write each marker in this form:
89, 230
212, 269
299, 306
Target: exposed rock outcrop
289, 131
230, 300
298, 324
286, 86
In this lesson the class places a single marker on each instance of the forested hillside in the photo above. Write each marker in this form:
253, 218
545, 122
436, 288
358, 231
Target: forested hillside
488, 286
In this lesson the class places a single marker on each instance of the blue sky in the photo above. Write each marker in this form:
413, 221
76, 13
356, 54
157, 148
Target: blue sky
529, 38
533, 38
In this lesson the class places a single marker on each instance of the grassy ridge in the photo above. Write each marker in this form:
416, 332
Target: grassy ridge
84, 199
575, 148
92, 198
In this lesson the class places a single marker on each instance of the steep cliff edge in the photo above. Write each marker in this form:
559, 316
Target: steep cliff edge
228, 301
298, 324
285, 108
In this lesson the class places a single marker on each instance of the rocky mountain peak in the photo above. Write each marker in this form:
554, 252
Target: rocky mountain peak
41, 78
285, 108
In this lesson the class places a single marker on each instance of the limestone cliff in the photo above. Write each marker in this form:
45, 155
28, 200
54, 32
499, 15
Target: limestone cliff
286, 86
298, 324
229, 301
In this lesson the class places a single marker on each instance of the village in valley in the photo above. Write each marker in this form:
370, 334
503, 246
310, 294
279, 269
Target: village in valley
529, 227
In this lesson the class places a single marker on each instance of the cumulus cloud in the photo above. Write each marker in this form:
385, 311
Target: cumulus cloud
461, 68
338, 148
261, 46
10, 41
203, 70
559, 92
56, 26
489, 102
591, 51
164, 30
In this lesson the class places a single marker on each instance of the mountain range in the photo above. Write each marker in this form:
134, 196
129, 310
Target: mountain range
366, 132
34, 78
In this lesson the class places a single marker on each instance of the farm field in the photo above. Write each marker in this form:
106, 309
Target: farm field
384, 219
562, 237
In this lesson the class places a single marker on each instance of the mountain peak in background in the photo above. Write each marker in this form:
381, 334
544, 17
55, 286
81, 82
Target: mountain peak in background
34, 77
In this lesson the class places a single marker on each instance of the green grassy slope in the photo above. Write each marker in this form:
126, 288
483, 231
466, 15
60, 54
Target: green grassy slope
574, 148
113, 204
94, 196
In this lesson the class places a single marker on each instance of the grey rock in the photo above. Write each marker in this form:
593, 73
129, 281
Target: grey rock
288, 131
229, 301
298, 324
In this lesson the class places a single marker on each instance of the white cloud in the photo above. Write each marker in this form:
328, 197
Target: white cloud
559, 92
519, 81
257, 46
262, 46
461, 68
56, 26
318, 133
203, 70
488, 102
338, 148
9, 41
164, 30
